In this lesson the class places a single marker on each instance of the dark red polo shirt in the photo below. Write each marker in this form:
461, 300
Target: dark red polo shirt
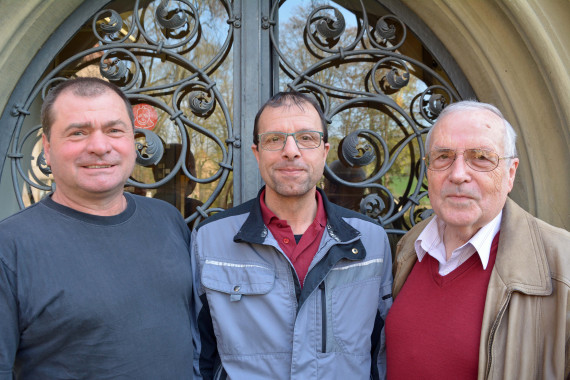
300, 254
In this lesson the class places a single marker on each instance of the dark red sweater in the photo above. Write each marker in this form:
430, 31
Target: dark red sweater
434, 326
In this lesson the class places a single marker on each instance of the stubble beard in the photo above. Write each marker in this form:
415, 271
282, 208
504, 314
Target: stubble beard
292, 190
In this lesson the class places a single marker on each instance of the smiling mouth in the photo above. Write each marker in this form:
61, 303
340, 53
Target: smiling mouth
98, 166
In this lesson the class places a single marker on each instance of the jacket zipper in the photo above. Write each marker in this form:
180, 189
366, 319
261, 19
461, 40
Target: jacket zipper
492, 333
323, 316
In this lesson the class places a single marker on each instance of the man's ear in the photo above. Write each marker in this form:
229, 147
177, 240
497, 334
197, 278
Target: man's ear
512, 171
255, 151
327, 148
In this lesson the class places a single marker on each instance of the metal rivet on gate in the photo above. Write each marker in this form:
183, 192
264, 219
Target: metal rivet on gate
354, 250
237, 288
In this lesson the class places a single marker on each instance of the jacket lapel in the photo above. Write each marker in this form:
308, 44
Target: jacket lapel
521, 262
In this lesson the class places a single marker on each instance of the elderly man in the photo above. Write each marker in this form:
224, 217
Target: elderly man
482, 288
289, 285
95, 283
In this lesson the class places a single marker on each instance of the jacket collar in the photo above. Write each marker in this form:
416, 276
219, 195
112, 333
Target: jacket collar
521, 263
255, 231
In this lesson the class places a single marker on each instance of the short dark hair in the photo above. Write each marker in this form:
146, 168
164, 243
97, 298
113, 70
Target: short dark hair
83, 87
290, 98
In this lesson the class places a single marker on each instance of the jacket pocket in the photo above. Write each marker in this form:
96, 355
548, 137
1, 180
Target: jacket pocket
237, 279
248, 307
353, 312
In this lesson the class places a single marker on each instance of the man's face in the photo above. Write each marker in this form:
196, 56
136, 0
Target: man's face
290, 172
463, 198
91, 148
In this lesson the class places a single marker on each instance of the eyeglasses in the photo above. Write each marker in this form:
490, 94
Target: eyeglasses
480, 160
303, 139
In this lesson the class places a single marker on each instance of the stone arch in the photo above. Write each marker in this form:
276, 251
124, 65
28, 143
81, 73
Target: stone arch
515, 55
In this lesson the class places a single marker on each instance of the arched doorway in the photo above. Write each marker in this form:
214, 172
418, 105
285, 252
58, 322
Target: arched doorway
197, 71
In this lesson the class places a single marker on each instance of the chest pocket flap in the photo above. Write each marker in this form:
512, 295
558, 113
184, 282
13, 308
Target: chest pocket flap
237, 279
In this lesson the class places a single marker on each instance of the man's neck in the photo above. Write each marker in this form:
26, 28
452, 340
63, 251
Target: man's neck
107, 206
299, 212
454, 237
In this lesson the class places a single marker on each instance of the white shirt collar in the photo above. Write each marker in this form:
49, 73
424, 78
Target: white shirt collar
430, 241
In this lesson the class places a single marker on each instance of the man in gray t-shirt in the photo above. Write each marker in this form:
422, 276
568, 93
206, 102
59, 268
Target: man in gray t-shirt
94, 282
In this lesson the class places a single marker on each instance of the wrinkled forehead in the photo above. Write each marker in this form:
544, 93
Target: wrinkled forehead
463, 129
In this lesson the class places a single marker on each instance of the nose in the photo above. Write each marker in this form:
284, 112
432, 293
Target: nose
98, 144
291, 150
459, 171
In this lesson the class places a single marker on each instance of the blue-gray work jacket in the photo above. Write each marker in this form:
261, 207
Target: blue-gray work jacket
252, 316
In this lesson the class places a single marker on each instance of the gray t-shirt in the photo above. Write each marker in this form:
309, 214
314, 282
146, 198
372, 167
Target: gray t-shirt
84, 296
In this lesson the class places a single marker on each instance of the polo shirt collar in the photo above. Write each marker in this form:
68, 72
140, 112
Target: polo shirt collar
269, 216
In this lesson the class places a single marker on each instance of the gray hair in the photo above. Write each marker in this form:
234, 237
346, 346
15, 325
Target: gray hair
472, 105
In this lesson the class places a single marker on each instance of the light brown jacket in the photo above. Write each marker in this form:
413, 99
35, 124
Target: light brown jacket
526, 322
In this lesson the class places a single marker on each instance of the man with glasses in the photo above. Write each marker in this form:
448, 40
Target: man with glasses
482, 288
289, 285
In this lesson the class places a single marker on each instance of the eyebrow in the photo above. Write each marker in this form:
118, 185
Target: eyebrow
300, 131
483, 147
88, 125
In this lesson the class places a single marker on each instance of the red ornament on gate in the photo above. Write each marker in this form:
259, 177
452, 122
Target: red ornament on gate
145, 116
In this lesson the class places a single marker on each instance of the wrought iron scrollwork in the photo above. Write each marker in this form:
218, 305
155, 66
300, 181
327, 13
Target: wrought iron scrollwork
150, 152
42, 164
398, 95
378, 97
328, 27
354, 155
127, 44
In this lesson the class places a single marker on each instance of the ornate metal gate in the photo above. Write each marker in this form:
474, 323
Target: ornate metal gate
197, 71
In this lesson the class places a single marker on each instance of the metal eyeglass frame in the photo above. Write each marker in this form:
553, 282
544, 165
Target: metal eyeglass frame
294, 135
467, 162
